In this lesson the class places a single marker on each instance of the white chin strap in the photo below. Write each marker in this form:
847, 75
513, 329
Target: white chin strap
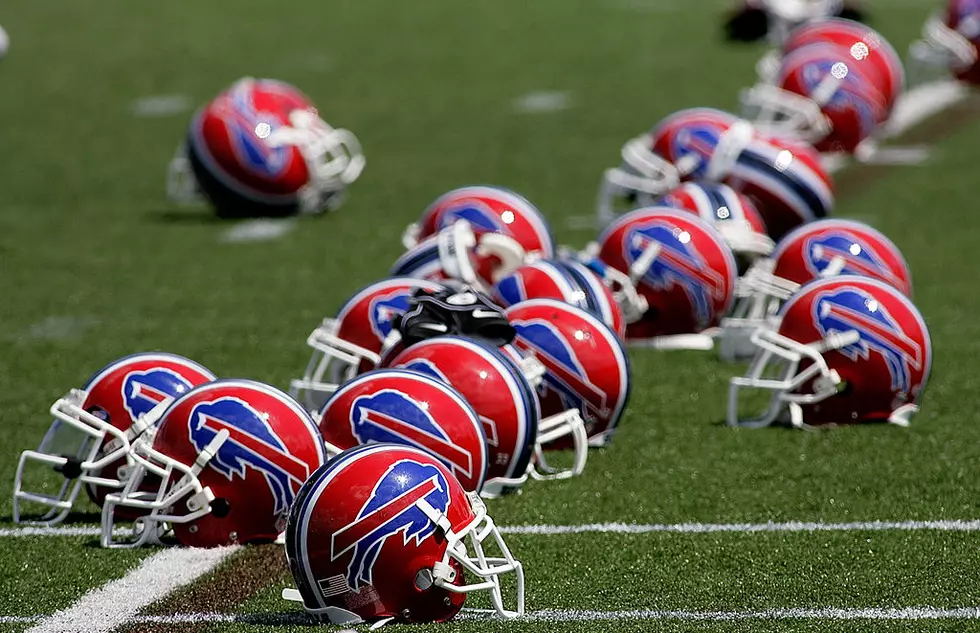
730, 147
458, 242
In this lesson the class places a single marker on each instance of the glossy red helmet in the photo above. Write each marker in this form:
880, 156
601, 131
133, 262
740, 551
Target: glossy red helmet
678, 263
566, 280
88, 443
586, 366
785, 179
829, 95
848, 349
230, 456
385, 532
260, 148
352, 342
730, 212
951, 40
679, 148
817, 250
507, 405
403, 407
782, 177
864, 43
502, 229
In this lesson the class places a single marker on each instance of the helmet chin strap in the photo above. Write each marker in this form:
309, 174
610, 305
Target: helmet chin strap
642, 264
730, 147
903, 415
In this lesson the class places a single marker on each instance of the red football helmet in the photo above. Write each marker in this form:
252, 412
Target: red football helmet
730, 212
678, 263
352, 342
88, 443
230, 456
566, 280
586, 366
502, 229
679, 148
817, 250
260, 148
848, 350
397, 511
786, 180
506, 404
826, 94
864, 43
951, 40
783, 177
390, 405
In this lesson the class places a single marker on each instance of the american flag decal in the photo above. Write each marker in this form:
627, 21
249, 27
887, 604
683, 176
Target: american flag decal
333, 586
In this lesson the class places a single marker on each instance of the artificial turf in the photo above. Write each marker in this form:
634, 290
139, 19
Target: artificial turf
97, 264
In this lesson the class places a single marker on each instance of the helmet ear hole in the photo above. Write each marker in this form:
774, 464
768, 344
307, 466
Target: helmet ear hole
220, 508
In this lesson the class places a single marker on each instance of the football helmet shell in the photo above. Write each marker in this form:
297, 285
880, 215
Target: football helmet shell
506, 403
504, 229
563, 279
782, 176
679, 148
397, 511
89, 440
848, 350
824, 94
951, 39
813, 251
730, 212
785, 179
352, 342
678, 263
260, 148
404, 407
586, 366
230, 456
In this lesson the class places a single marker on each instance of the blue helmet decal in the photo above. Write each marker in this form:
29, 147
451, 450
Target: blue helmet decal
245, 125
390, 509
251, 443
677, 263
384, 308
853, 309
481, 217
857, 257
143, 390
392, 416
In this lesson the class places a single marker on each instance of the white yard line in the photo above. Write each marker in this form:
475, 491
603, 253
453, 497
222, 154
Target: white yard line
156, 106
116, 602
953, 525
545, 101
258, 230
577, 615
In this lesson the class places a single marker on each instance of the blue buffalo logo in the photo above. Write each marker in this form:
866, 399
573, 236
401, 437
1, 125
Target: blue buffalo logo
424, 366
480, 216
251, 444
143, 390
849, 94
565, 374
248, 130
856, 257
679, 263
391, 508
852, 309
695, 141
384, 308
392, 416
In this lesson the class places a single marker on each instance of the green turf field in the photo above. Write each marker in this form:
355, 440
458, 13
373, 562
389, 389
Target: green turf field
95, 264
